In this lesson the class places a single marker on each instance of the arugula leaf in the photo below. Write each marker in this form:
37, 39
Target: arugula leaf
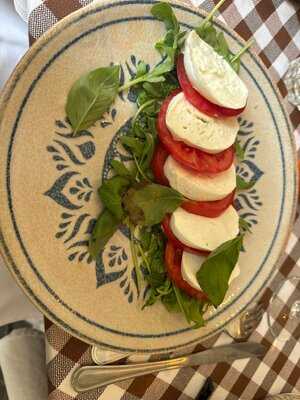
111, 192
214, 274
190, 307
121, 170
142, 69
170, 302
168, 48
106, 225
164, 12
140, 142
217, 41
208, 33
244, 225
223, 48
148, 151
235, 63
160, 90
160, 287
149, 204
161, 290
239, 151
91, 96
241, 184
133, 144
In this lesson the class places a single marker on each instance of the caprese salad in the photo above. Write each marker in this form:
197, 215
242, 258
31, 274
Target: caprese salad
176, 193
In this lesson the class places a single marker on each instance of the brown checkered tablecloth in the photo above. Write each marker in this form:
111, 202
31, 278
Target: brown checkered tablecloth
274, 24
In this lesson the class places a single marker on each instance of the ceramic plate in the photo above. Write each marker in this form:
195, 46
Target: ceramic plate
49, 180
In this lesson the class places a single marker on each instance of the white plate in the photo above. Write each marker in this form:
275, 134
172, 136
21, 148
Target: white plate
49, 180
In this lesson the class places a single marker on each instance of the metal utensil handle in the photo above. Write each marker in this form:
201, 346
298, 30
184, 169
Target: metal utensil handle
87, 378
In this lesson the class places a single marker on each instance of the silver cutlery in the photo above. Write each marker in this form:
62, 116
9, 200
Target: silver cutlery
91, 377
101, 356
239, 330
284, 396
242, 328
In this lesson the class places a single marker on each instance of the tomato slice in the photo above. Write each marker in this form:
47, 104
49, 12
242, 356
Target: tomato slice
157, 164
177, 243
210, 209
197, 100
173, 257
187, 156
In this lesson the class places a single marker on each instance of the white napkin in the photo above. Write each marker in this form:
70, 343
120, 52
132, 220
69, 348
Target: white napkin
14, 305
23, 364
24, 7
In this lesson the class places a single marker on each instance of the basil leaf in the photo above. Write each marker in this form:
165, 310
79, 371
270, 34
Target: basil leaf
142, 69
171, 303
106, 225
236, 64
239, 151
164, 12
91, 96
191, 308
148, 151
148, 205
154, 78
121, 170
133, 144
214, 274
244, 225
223, 48
217, 41
168, 48
160, 90
208, 33
241, 184
111, 192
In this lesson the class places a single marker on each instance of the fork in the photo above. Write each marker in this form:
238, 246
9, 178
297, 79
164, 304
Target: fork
241, 328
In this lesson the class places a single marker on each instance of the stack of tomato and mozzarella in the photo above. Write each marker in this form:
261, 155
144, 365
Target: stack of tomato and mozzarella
197, 128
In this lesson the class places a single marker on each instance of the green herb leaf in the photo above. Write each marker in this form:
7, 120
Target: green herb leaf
158, 91
239, 151
214, 274
111, 192
236, 64
142, 69
223, 48
91, 96
164, 12
241, 184
148, 151
217, 41
148, 205
208, 33
244, 225
168, 47
121, 170
133, 144
170, 302
191, 308
106, 225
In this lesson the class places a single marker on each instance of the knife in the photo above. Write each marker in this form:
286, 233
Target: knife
91, 377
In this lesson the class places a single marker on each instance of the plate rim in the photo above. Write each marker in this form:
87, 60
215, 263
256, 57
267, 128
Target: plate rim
8, 90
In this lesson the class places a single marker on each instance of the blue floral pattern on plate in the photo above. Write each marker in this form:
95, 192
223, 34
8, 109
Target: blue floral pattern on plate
72, 190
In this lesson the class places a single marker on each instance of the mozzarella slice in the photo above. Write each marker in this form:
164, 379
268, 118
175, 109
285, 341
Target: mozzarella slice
211, 75
187, 124
204, 233
191, 264
199, 187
